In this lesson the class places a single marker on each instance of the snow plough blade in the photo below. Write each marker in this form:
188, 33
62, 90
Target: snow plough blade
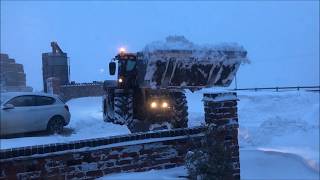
191, 68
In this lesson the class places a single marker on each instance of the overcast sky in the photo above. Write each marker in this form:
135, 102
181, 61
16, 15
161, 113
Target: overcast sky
282, 38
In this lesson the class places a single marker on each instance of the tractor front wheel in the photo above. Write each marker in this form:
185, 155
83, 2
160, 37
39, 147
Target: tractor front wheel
180, 111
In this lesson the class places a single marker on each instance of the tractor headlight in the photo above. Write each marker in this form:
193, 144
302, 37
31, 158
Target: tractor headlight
120, 80
164, 105
122, 50
153, 105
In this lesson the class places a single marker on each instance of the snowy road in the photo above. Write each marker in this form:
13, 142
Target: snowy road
285, 124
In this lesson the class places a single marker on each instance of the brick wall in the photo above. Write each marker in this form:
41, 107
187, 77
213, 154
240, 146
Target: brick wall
88, 159
96, 157
81, 90
74, 90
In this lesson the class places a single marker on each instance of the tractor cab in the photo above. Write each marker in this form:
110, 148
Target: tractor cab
127, 72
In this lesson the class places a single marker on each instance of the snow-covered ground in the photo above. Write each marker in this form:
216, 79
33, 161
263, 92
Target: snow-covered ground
86, 123
255, 165
281, 123
165, 174
279, 133
284, 122
274, 124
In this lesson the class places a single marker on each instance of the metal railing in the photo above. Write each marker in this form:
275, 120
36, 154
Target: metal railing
308, 88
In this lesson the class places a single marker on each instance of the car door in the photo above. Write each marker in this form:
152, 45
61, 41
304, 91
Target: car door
46, 109
21, 118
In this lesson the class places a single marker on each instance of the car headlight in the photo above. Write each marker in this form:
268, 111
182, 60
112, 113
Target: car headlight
164, 105
153, 105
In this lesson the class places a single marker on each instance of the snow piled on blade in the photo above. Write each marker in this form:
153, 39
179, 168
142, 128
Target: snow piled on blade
171, 43
179, 63
180, 43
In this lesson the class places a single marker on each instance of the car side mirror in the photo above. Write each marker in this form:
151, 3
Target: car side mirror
8, 106
112, 68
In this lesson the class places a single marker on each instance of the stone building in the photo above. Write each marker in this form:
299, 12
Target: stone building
56, 77
12, 75
55, 64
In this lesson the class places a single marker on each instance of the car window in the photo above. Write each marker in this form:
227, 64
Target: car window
22, 101
43, 100
60, 100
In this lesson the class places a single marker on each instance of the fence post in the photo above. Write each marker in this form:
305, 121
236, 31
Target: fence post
221, 110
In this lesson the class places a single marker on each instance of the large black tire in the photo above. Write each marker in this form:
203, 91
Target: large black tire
180, 105
123, 107
55, 125
109, 87
105, 109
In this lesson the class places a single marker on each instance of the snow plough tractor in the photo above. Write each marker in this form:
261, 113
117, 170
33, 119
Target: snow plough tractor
149, 92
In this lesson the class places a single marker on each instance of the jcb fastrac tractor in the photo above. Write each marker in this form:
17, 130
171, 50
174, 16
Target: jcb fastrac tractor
149, 91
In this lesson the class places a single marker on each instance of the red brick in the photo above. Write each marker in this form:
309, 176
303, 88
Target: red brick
111, 170
148, 151
132, 154
76, 175
177, 160
122, 162
54, 177
96, 173
74, 162
128, 168
89, 158
229, 103
50, 171
117, 149
114, 156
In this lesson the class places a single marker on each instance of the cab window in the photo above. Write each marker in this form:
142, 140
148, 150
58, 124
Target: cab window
130, 65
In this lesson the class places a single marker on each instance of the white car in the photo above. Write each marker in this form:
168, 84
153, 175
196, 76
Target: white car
28, 112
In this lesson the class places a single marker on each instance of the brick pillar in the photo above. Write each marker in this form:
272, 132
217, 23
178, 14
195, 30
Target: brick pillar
221, 110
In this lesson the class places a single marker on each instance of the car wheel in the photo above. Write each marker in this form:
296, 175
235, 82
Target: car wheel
55, 125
